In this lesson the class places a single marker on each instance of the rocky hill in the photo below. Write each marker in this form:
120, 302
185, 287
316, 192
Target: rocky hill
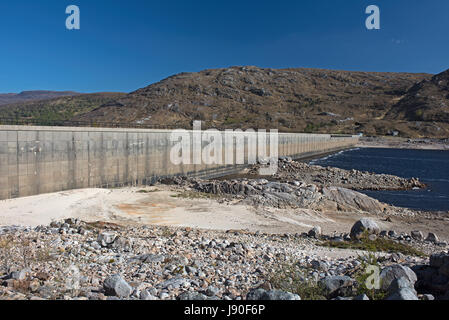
9, 98
427, 101
301, 100
310, 100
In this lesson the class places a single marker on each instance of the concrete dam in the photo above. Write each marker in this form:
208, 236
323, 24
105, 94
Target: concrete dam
38, 159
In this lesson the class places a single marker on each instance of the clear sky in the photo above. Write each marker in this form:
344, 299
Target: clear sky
125, 45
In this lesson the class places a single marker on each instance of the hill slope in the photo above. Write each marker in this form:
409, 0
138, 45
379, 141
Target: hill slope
310, 100
427, 100
9, 98
62, 108
301, 100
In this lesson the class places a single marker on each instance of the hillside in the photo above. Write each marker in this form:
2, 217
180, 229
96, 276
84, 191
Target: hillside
9, 98
62, 108
310, 100
427, 101
301, 100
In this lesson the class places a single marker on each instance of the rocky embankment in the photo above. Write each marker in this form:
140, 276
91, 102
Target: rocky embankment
329, 176
73, 260
292, 194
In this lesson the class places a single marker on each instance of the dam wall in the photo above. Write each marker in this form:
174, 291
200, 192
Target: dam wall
36, 160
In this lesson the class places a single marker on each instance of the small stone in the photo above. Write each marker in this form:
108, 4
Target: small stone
106, 238
432, 237
212, 291
315, 232
261, 294
117, 286
417, 235
191, 296
145, 295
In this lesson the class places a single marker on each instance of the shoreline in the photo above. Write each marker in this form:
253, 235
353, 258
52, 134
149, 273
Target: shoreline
403, 143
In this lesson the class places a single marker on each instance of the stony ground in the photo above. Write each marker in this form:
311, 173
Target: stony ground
75, 260
124, 256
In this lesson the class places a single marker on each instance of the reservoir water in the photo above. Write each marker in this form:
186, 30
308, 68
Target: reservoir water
430, 166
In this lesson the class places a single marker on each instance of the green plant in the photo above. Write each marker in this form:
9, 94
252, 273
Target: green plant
377, 245
363, 276
293, 278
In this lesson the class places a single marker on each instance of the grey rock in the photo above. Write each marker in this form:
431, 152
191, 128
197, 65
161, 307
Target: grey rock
117, 286
315, 232
404, 294
394, 272
212, 291
399, 284
319, 265
106, 238
417, 235
175, 283
261, 294
192, 296
337, 285
20, 275
432, 237
364, 226
152, 258
146, 295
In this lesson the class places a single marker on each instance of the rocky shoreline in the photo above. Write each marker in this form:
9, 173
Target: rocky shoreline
290, 170
404, 143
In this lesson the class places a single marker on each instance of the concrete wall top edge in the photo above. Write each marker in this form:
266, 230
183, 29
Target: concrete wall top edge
135, 130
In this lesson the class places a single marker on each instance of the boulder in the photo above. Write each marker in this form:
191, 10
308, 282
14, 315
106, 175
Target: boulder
337, 286
350, 200
117, 286
394, 272
399, 284
364, 226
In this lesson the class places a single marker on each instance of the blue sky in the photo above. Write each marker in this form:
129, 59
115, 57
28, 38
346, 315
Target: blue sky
126, 45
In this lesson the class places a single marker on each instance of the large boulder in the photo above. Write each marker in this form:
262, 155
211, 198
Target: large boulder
362, 227
399, 284
117, 286
395, 272
348, 200
261, 294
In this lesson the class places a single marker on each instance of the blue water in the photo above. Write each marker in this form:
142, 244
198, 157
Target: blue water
430, 166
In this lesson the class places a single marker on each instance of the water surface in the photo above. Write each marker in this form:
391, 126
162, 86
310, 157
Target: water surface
430, 166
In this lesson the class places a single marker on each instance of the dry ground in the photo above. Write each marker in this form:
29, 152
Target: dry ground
161, 206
